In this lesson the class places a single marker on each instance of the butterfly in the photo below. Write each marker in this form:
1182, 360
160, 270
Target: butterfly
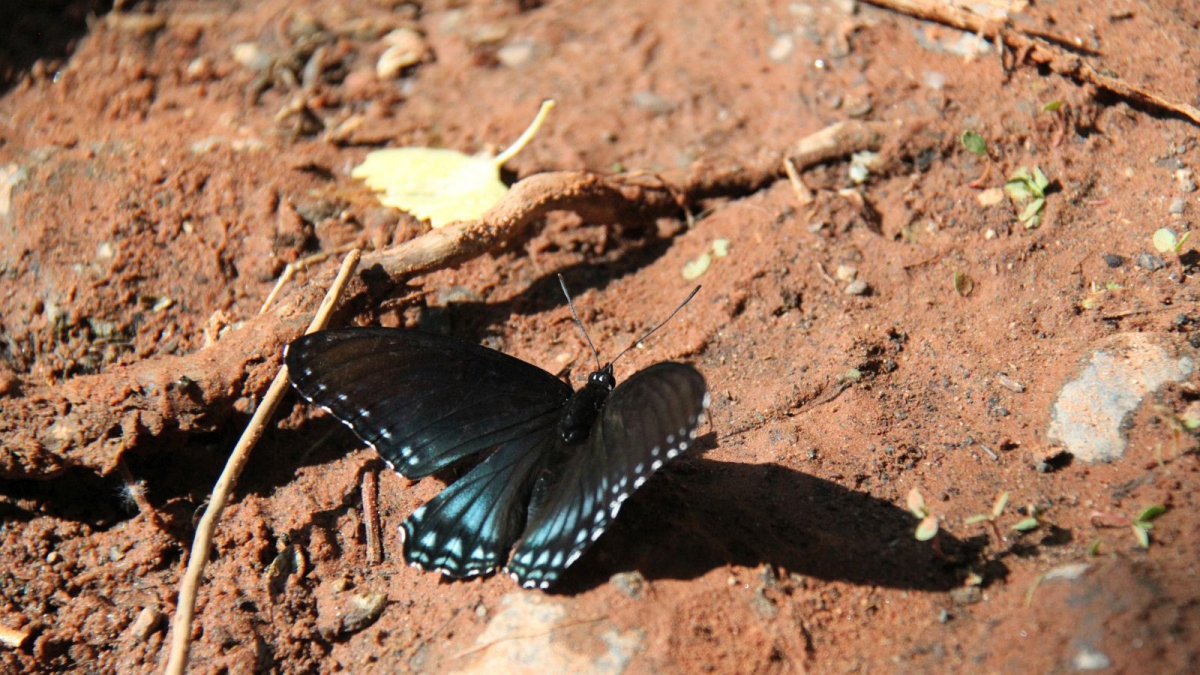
561, 464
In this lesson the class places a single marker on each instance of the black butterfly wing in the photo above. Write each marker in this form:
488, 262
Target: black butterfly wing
423, 401
470, 527
650, 418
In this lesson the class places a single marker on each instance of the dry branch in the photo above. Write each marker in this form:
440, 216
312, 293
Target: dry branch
181, 628
91, 420
1037, 48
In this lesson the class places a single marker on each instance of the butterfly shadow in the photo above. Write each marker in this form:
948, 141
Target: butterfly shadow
704, 514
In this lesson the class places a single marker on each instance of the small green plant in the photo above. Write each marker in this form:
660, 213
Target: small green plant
1028, 188
1053, 106
974, 142
1165, 241
1030, 523
1140, 524
997, 511
1098, 291
928, 527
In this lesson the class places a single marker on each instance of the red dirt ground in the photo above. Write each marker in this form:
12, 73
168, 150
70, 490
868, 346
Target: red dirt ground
157, 179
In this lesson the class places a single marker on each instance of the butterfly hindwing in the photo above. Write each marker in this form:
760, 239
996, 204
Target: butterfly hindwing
469, 528
423, 401
648, 419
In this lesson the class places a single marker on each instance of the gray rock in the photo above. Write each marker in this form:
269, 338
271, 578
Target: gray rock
1088, 415
1149, 261
525, 635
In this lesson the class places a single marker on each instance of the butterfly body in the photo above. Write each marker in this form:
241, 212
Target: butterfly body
561, 462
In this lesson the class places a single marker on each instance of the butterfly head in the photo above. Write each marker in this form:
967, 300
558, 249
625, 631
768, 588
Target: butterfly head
603, 378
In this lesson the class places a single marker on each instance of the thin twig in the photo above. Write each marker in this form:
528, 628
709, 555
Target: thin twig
371, 518
292, 267
202, 545
803, 194
825, 275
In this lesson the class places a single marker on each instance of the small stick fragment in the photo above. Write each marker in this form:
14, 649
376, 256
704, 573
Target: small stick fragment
292, 267
181, 639
825, 275
1009, 383
371, 518
994, 456
803, 194
12, 638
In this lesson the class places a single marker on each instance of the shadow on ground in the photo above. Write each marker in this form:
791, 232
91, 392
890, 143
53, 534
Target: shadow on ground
41, 29
705, 514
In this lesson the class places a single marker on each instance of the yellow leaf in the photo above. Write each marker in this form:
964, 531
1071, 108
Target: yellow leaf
438, 185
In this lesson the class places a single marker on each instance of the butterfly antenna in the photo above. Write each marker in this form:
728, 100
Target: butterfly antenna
579, 323
664, 322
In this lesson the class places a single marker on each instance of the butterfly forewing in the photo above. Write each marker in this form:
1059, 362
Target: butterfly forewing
471, 525
647, 420
423, 401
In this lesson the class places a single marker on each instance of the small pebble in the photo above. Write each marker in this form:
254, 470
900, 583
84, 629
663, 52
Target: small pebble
933, 79
845, 273
363, 611
1184, 178
1090, 659
1113, 260
857, 287
1177, 206
199, 69
782, 48
632, 584
966, 595
251, 56
652, 103
1149, 261
516, 54
147, 622
990, 197
406, 48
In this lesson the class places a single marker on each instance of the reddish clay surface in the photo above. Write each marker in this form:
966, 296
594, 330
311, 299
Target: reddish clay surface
161, 179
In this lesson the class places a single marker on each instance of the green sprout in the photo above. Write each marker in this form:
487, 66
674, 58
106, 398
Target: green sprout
1053, 106
1098, 291
1165, 241
1140, 524
1031, 522
997, 511
972, 141
928, 527
1029, 188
